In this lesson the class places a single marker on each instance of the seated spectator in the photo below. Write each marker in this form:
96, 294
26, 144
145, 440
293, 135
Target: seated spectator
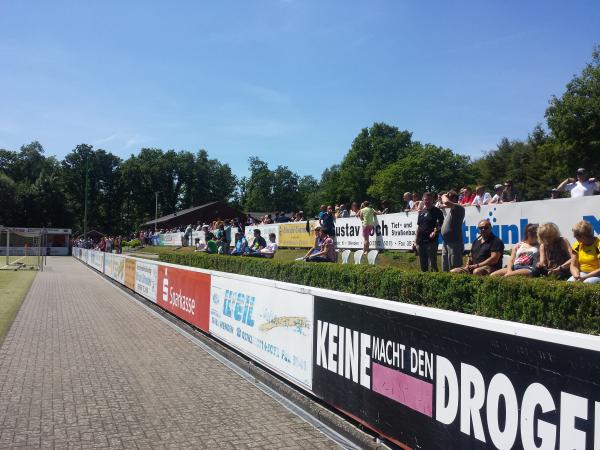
509, 194
271, 248
241, 245
467, 196
497, 198
415, 204
481, 197
316, 248
354, 209
486, 252
267, 220
327, 251
211, 245
222, 245
300, 216
258, 243
583, 186
406, 202
555, 252
524, 256
585, 263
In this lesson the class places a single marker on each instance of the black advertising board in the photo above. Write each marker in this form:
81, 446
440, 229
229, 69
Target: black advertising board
436, 384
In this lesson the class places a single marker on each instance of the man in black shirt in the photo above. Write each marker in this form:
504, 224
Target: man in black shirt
486, 252
429, 224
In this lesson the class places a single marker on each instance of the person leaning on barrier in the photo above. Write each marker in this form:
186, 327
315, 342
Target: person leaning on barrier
486, 252
585, 263
582, 186
327, 251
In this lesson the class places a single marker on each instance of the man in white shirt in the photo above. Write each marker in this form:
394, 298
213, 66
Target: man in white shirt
497, 198
580, 187
481, 197
271, 248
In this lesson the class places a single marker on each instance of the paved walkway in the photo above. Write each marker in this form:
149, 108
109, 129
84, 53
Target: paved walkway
85, 367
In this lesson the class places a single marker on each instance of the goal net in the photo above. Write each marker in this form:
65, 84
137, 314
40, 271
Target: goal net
21, 249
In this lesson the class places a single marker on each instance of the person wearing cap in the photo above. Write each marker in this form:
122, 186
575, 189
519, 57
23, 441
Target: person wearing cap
497, 198
509, 194
582, 186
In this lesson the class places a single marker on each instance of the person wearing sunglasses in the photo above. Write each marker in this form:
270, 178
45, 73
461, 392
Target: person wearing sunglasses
524, 256
486, 252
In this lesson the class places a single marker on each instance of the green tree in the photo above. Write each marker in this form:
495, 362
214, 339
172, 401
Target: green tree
423, 168
574, 120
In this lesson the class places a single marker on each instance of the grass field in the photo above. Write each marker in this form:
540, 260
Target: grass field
13, 288
14, 261
401, 260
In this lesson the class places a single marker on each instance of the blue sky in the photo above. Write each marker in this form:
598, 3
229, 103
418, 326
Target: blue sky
292, 82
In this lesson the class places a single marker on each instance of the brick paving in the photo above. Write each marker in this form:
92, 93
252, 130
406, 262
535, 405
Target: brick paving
84, 367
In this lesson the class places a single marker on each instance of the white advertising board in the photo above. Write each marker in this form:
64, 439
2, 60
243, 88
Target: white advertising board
114, 267
171, 239
96, 260
397, 231
146, 278
265, 230
273, 326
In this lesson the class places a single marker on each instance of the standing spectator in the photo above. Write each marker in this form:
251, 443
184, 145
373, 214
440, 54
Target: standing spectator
583, 186
486, 252
416, 204
407, 202
385, 207
585, 264
555, 252
497, 198
429, 224
367, 216
454, 245
187, 236
524, 257
344, 213
467, 196
327, 251
554, 194
354, 209
481, 197
300, 216
327, 221
510, 194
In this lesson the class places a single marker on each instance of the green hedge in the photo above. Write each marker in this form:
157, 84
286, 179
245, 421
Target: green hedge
545, 302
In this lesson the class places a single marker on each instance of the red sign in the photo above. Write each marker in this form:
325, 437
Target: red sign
185, 294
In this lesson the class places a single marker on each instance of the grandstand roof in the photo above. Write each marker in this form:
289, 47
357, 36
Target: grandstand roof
207, 212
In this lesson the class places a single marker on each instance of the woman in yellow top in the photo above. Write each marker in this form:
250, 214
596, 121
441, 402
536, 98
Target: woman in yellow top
585, 264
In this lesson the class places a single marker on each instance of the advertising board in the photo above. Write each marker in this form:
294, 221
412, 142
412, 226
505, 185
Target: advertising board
293, 234
265, 230
397, 231
96, 260
114, 267
146, 277
436, 384
171, 239
129, 277
185, 293
271, 325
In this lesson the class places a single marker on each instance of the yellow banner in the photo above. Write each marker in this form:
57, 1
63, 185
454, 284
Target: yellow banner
130, 273
294, 234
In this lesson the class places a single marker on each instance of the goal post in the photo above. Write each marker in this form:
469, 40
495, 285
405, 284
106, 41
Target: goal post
21, 249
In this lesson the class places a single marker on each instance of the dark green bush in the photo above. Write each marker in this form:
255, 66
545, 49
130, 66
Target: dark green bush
545, 302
